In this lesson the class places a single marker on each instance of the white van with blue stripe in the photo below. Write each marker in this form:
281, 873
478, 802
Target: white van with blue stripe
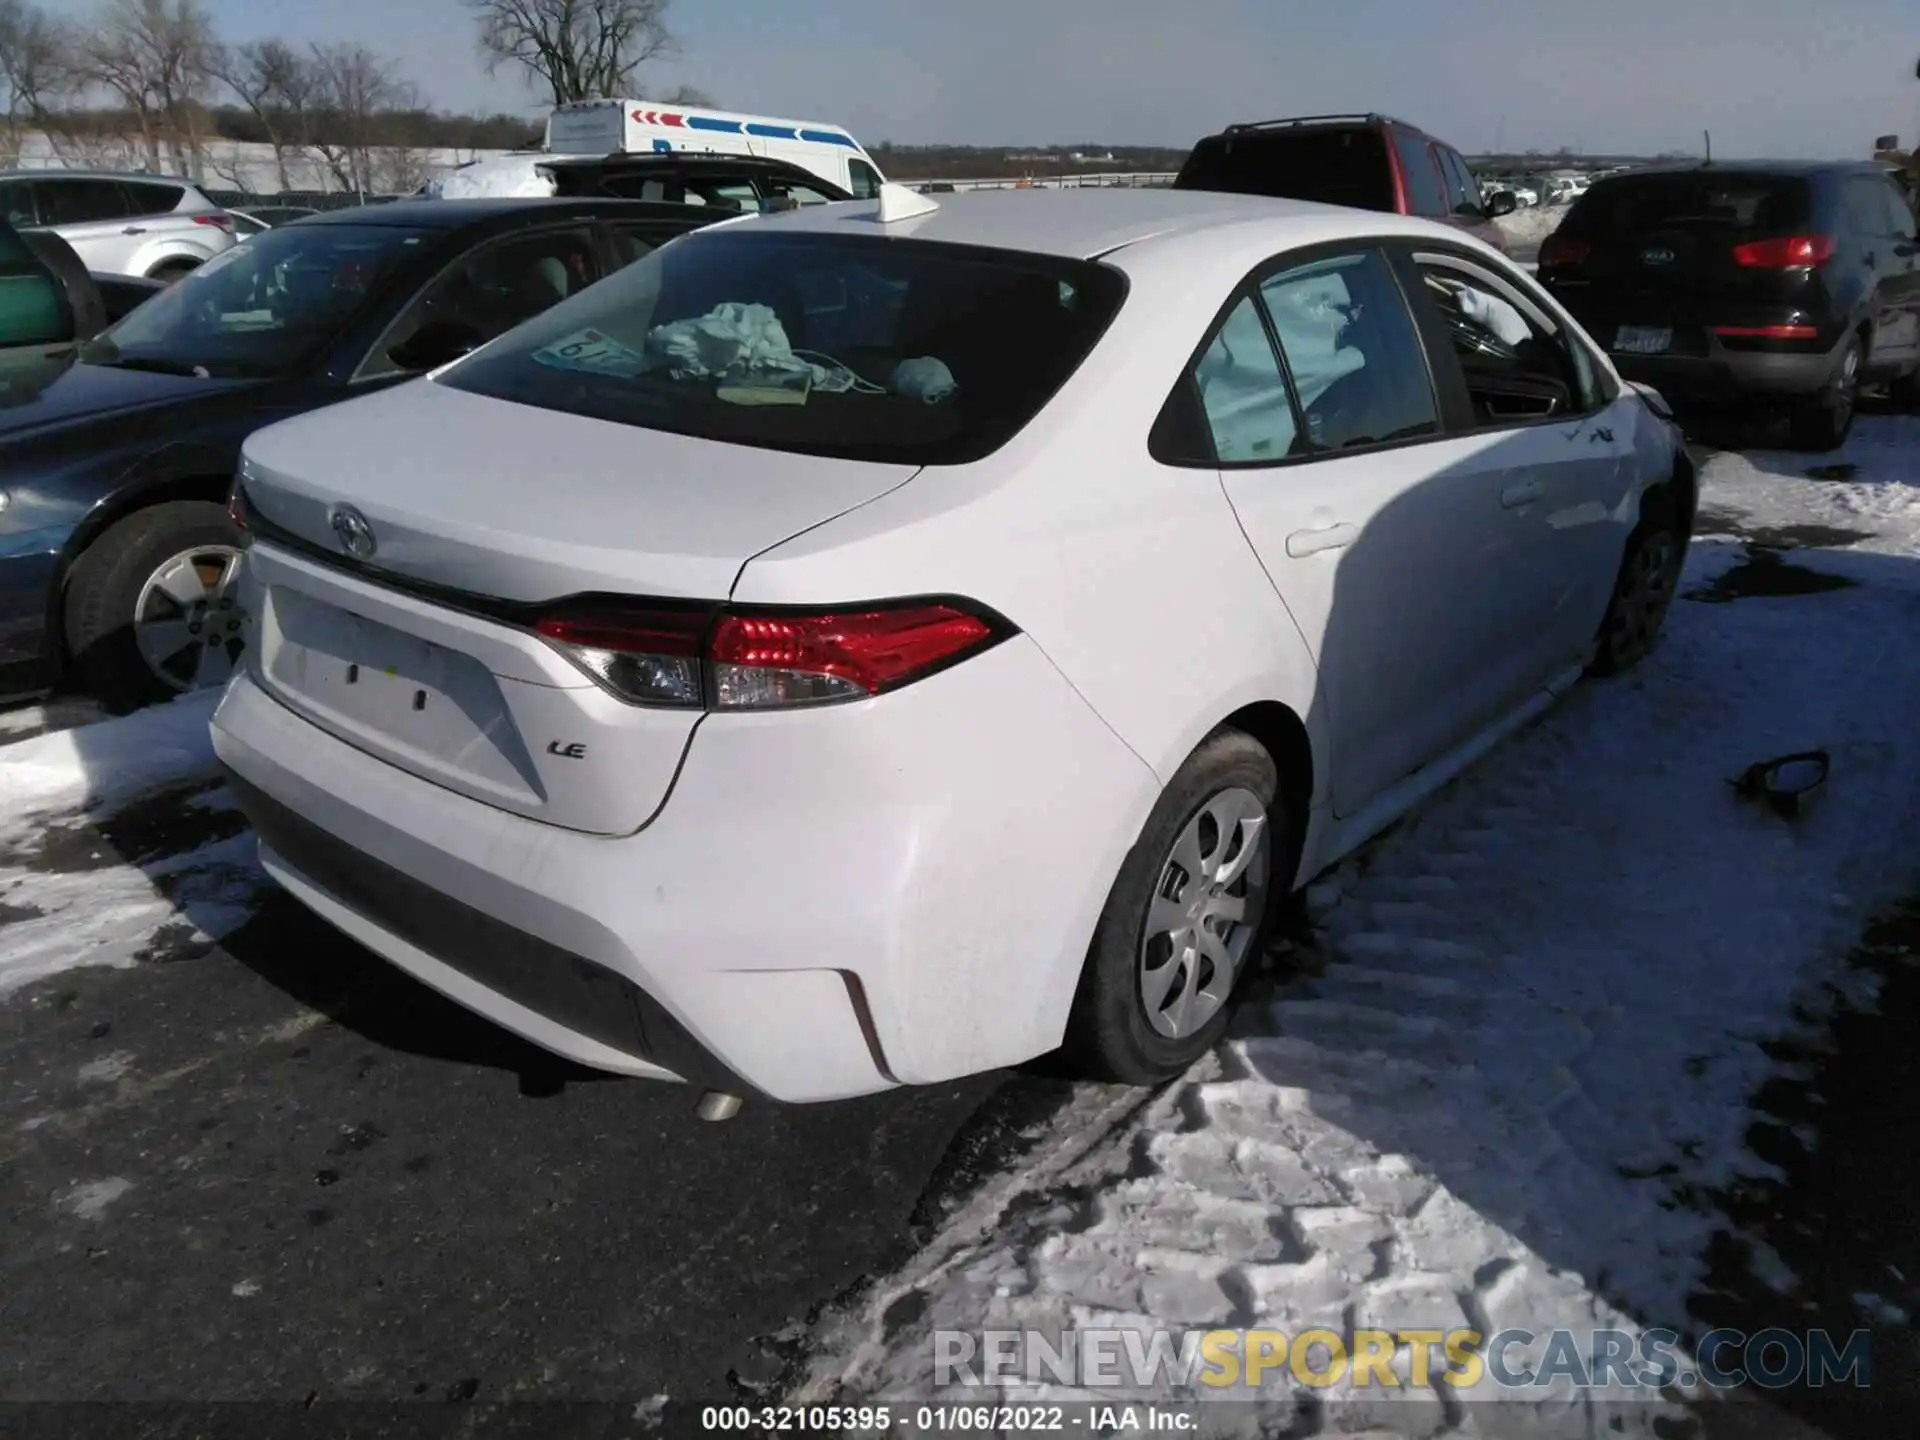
608, 127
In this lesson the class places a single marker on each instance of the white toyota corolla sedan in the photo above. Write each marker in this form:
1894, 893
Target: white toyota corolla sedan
866, 645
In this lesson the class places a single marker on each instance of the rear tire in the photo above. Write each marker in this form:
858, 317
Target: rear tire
169, 271
1822, 421
1172, 929
142, 574
1642, 592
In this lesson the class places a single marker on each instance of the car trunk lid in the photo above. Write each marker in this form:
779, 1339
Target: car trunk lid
420, 651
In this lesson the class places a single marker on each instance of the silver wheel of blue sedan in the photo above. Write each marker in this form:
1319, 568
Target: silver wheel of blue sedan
187, 623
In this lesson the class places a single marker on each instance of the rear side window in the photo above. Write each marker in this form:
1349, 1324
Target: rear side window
1421, 175
1330, 166
1243, 394
80, 202
860, 347
147, 198
1353, 353
1731, 203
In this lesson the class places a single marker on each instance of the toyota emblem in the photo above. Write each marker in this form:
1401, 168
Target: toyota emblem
1657, 255
353, 531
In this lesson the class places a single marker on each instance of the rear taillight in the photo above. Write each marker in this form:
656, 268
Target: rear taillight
218, 222
763, 660
1558, 250
1787, 252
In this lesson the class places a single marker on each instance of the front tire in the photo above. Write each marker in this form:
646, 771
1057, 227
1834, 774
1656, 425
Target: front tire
1643, 591
1822, 422
150, 610
1186, 919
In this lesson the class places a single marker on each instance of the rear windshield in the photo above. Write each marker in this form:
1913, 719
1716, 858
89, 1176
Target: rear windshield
1333, 167
823, 344
1738, 204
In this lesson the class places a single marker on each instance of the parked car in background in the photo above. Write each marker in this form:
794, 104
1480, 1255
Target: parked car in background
123, 224
116, 551
1795, 284
1370, 162
675, 716
738, 182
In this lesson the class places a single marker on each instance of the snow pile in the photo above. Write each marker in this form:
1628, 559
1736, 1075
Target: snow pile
1530, 227
1865, 495
500, 177
80, 883
1532, 1019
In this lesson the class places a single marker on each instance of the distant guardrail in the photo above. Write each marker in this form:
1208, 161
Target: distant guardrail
1093, 180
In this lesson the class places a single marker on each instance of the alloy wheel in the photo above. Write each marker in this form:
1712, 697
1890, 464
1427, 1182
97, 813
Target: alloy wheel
1205, 911
187, 623
1646, 591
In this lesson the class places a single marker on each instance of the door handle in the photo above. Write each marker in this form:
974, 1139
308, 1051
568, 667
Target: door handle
1521, 492
1311, 542
134, 230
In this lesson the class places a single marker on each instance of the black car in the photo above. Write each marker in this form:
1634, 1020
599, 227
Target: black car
734, 182
116, 550
1796, 283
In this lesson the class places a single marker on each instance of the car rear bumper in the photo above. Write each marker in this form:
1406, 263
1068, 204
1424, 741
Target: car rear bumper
1724, 374
831, 903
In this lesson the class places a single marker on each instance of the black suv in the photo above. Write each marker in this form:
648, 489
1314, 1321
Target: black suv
734, 182
1794, 282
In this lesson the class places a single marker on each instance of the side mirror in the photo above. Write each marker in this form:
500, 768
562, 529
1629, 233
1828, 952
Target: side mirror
437, 343
1502, 202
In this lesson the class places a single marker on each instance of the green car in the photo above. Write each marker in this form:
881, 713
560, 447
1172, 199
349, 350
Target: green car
36, 317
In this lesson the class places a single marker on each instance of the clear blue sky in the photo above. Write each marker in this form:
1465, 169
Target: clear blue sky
1768, 77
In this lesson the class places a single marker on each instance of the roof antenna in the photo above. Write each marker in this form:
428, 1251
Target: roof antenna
1707, 135
898, 203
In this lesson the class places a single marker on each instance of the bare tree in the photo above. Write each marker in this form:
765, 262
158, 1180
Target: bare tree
352, 87
35, 72
155, 57
575, 49
276, 84
689, 95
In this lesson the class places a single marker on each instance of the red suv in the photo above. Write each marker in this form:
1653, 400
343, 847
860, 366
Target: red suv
1367, 162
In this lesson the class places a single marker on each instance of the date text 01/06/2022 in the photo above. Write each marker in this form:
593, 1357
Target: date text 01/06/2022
934, 1420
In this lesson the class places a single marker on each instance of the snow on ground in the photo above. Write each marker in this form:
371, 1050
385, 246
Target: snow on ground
1867, 493
85, 879
1527, 1028
1527, 228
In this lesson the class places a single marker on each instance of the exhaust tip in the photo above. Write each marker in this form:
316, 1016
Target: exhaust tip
717, 1105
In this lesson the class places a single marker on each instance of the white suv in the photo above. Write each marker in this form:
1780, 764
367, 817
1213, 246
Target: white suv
120, 224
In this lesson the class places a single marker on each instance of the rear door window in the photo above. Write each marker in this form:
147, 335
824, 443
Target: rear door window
1421, 175
80, 202
1333, 166
1351, 348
